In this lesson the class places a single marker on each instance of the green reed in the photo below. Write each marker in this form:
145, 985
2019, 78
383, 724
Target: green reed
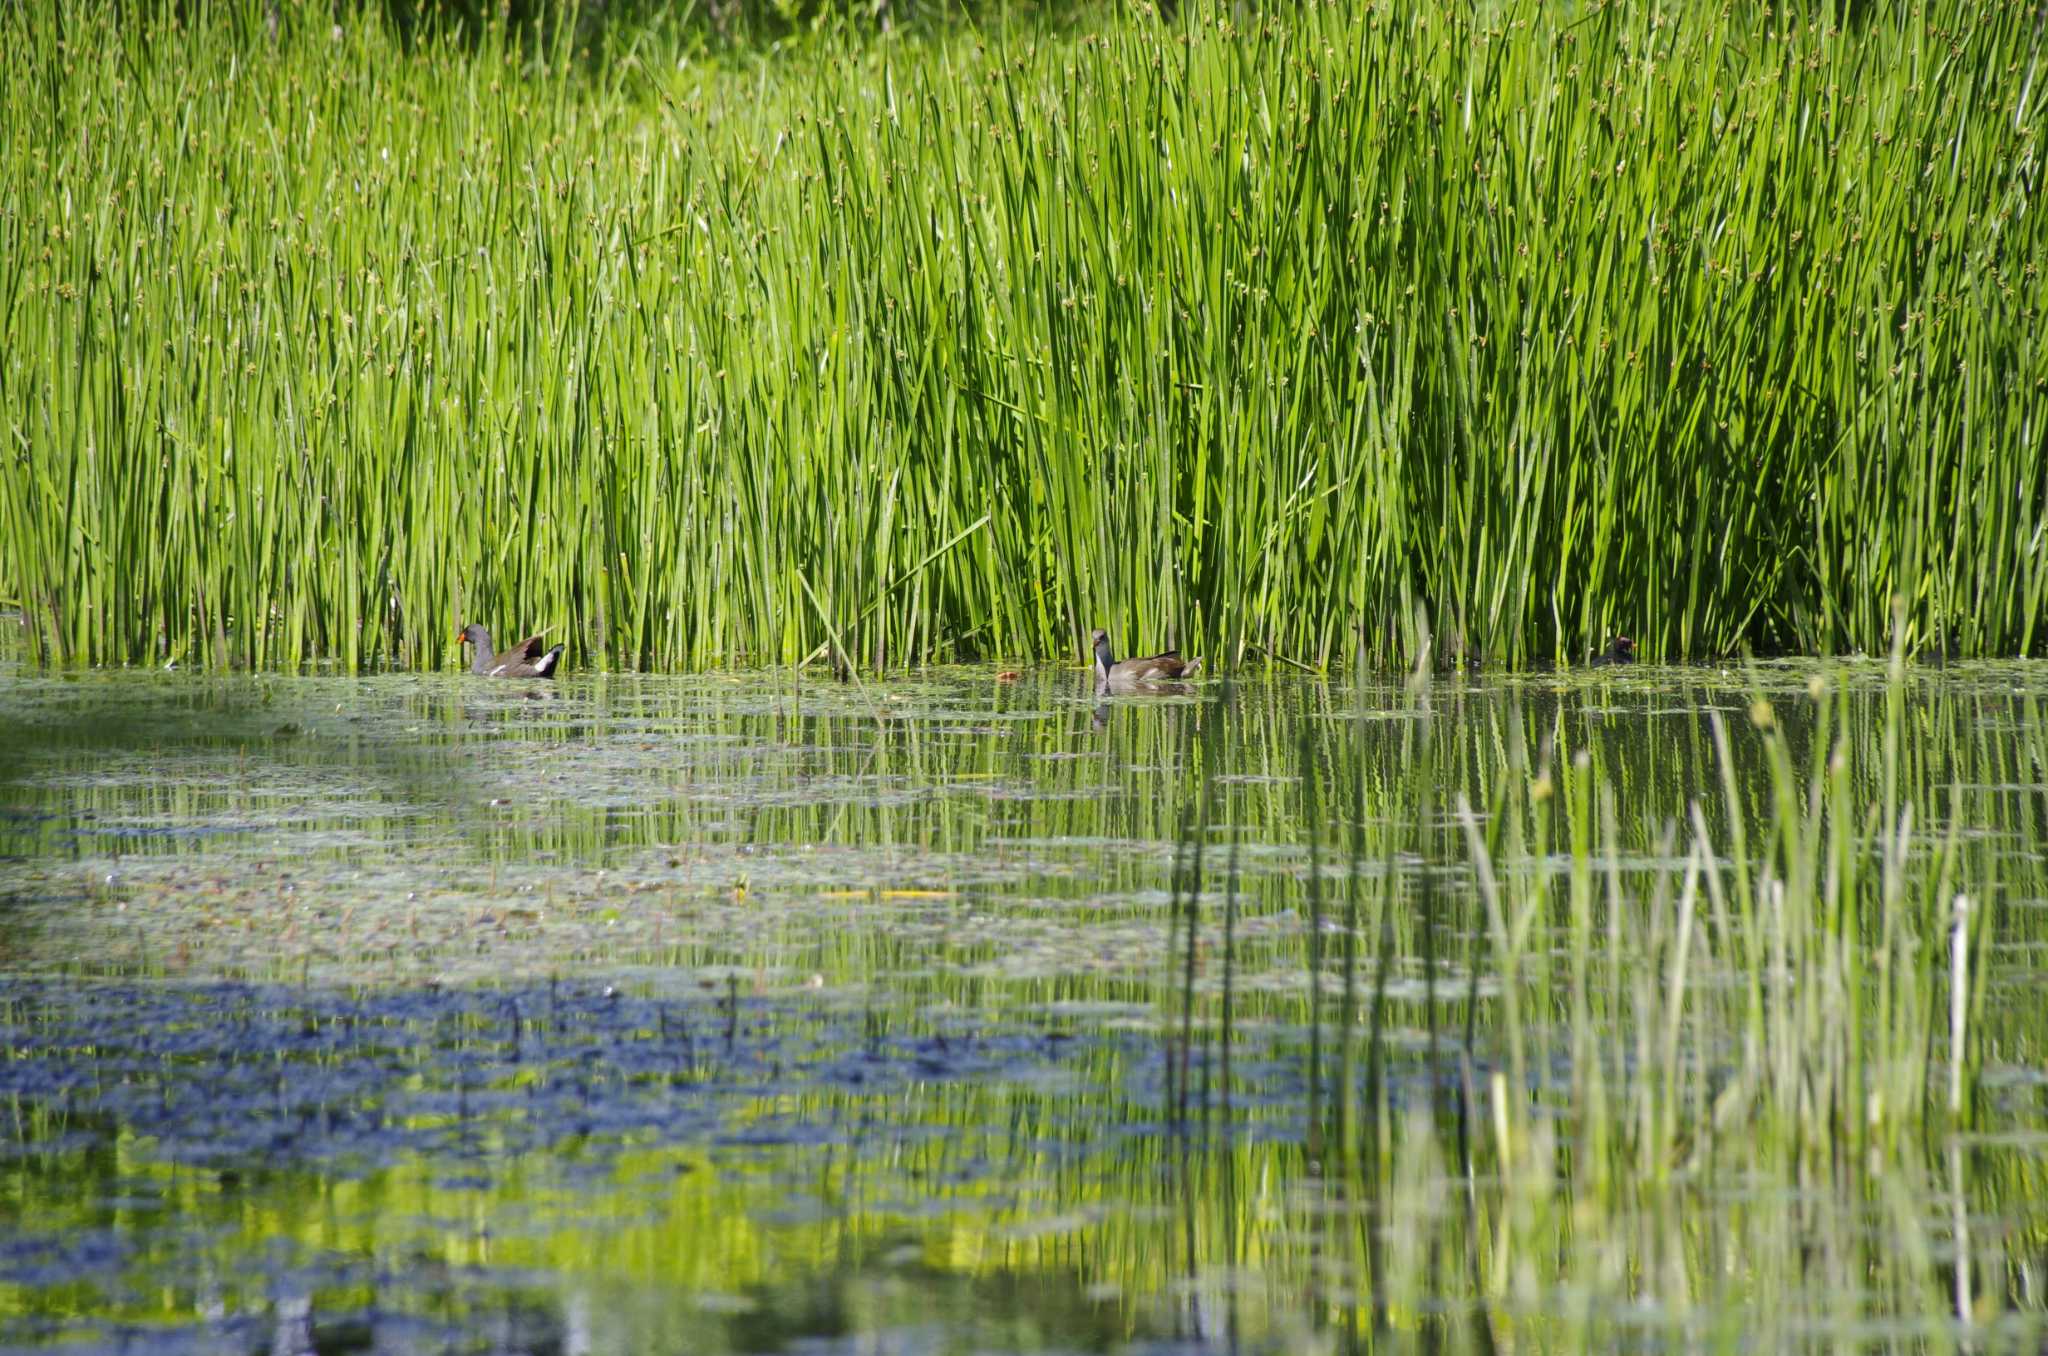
1676, 322
1711, 325
1782, 997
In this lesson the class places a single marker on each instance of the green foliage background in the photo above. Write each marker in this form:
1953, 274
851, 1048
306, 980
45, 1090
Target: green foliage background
1260, 333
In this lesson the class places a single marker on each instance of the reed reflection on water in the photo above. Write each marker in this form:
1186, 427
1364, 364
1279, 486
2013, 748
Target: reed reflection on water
729, 1014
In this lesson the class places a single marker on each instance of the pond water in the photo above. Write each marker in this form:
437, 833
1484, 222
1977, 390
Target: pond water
1656, 1008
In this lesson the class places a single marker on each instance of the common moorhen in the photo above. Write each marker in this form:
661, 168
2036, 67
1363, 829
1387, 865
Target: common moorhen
1622, 651
524, 660
1154, 668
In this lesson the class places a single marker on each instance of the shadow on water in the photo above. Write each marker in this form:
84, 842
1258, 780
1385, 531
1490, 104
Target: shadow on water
1660, 1008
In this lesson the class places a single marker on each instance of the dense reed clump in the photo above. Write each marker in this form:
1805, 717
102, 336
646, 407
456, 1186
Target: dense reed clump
1711, 324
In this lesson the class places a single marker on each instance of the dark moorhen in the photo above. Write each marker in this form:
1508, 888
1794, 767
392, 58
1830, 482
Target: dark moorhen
1622, 651
524, 660
1153, 668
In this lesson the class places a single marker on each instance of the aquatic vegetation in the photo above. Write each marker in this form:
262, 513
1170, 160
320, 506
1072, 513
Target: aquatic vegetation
1624, 1007
1715, 324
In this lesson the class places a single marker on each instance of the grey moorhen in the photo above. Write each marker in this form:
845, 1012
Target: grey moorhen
524, 660
1622, 651
1109, 672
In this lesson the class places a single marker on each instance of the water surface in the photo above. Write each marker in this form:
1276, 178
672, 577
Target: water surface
946, 1014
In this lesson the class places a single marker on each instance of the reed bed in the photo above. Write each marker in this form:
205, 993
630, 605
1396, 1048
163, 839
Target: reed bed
1720, 326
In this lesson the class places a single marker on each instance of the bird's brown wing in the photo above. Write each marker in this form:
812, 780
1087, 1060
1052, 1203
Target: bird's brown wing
1166, 665
540, 666
530, 648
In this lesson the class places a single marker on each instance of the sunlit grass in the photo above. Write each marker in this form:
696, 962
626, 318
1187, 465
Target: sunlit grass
1686, 322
